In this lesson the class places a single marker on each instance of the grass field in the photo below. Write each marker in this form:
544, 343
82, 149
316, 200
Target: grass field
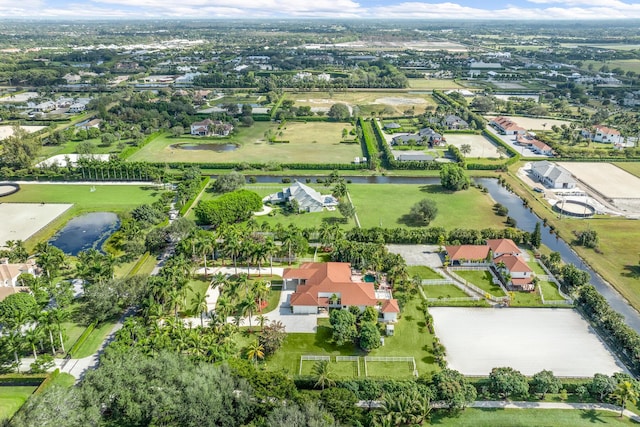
94, 340
423, 271
12, 398
550, 291
430, 84
312, 142
473, 417
483, 280
70, 147
625, 64
411, 339
443, 291
385, 206
343, 369
631, 167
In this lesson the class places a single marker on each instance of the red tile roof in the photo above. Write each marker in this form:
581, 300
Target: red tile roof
506, 123
513, 263
607, 130
329, 278
390, 306
503, 246
467, 252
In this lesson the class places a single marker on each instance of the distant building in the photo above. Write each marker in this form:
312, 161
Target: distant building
534, 145
210, 127
414, 157
506, 126
454, 122
9, 273
77, 108
45, 107
426, 136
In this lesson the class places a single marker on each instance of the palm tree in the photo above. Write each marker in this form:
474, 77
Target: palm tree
255, 351
262, 319
205, 246
15, 342
625, 392
322, 370
261, 291
58, 316
33, 338
199, 303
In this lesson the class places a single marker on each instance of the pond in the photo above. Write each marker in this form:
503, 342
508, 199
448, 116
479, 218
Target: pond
218, 148
86, 232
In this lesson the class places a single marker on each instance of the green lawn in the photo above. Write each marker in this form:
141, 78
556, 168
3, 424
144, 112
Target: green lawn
70, 147
63, 380
423, 271
312, 142
94, 340
385, 205
550, 291
444, 291
433, 84
473, 417
411, 338
525, 299
483, 280
631, 167
346, 369
12, 398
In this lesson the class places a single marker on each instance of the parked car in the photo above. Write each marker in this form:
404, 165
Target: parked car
538, 189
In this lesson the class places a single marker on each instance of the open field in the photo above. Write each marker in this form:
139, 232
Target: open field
607, 179
18, 97
534, 124
423, 271
624, 64
483, 280
12, 398
481, 146
388, 103
526, 339
313, 142
430, 84
476, 417
22, 220
411, 339
631, 167
385, 205
7, 131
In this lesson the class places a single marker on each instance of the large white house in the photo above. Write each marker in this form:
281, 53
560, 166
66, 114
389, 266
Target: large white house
604, 134
210, 127
319, 285
309, 200
9, 273
552, 175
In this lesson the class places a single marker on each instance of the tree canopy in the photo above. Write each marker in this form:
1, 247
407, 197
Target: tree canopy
229, 208
453, 178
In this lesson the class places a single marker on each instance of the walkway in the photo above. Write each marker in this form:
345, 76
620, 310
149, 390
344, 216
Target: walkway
505, 404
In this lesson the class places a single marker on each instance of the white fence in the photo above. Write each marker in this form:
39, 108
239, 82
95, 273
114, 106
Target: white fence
549, 277
389, 359
311, 357
453, 299
477, 289
430, 282
350, 359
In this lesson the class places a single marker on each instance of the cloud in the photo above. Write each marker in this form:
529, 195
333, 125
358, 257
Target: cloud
601, 9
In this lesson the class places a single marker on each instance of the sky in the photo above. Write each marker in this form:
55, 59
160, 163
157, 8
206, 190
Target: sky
375, 9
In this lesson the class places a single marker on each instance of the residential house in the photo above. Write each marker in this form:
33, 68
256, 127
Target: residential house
210, 127
10, 290
77, 108
432, 137
426, 136
9, 273
603, 134
308, 199
321, 286
507, 126
45, 107
504, 256
72, 78
552, 175
94, 123
454, 122
392, 126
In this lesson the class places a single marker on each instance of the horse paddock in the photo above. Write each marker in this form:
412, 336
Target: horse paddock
22, 220
527, 339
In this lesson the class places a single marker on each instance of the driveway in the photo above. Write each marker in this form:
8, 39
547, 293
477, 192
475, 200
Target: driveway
293, 323
428, 255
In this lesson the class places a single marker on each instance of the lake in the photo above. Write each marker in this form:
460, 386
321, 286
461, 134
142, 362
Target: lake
86, 232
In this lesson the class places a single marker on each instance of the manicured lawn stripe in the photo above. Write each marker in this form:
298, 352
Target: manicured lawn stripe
473, 417
94, 340
423, 271
483, 280
443, 291
12, 398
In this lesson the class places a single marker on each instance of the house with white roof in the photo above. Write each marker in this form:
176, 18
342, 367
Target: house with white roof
552, 175
309, 200
603, 134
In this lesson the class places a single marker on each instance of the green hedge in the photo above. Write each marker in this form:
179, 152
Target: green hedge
16, 380
81, 339
259, 166
203, 183
370, 143
47, 382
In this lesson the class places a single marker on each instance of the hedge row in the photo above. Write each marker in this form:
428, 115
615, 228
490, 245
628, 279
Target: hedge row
370, 144
81, 339
47, 382
203, 183
260, 166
